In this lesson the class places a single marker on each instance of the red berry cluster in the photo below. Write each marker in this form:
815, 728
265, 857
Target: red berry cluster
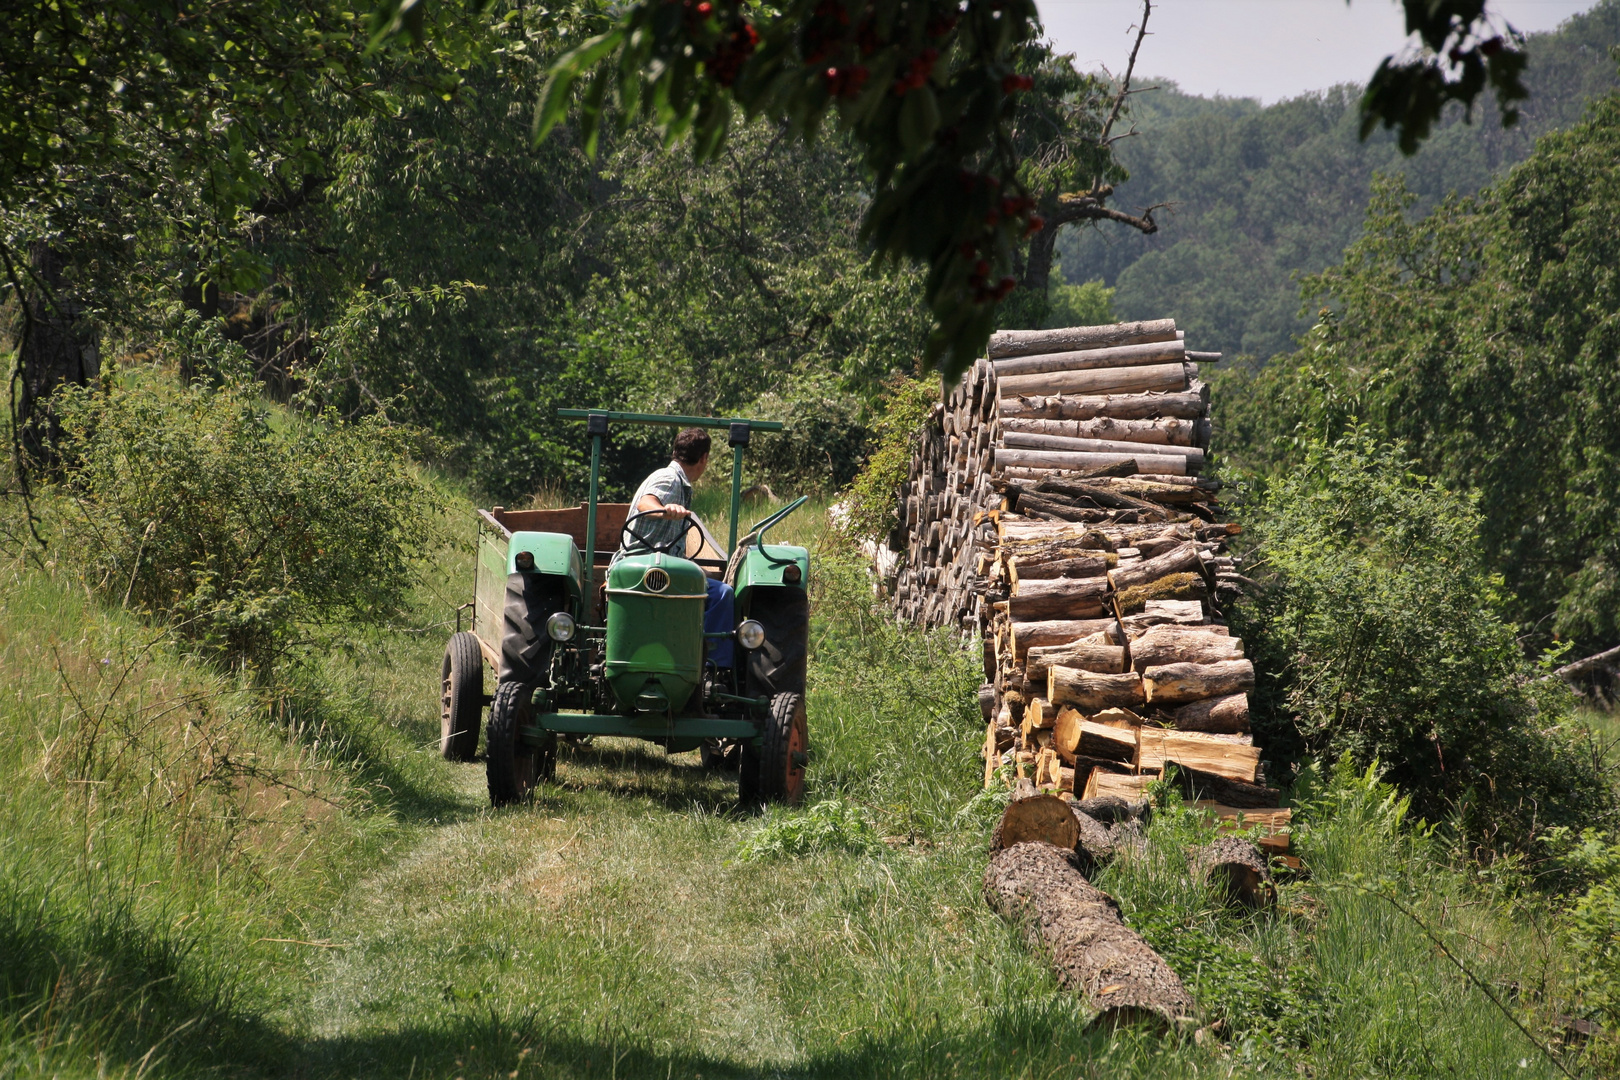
922, 66
733, 52
1008, 207
1014, 84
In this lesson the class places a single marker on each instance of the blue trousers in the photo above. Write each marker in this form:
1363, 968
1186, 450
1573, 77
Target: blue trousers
719, 617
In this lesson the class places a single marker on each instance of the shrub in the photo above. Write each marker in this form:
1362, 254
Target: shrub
907, 402
1398, 649
190, 505
833, 825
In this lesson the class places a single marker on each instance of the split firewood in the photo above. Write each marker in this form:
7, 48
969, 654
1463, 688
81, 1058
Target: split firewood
1078, 928
1092, 692
1174, 684
1207, 753
1237, 868
1163, 645
1222, 715
1086, 656
1199, 783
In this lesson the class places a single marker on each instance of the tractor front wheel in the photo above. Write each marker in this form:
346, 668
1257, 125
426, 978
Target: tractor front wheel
774, 770
514, 768
461, 697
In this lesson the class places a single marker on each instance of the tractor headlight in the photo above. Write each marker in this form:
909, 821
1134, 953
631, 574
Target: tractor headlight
560, 627
751, 634
792, 574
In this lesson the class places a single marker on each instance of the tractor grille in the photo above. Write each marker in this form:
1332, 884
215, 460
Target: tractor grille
656, 580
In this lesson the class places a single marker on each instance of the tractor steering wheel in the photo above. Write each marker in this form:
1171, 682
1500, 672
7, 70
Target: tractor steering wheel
676, 543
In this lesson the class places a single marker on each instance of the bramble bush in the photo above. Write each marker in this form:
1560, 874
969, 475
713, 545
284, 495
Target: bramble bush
907, 403
192, 505
1396, 646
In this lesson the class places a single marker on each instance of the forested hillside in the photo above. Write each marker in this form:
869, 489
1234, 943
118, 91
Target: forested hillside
1256, 196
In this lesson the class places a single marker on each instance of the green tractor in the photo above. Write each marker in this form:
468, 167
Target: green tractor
582, 645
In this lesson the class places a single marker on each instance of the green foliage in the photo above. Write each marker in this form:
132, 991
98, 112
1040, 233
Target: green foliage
829, 825
1590, 858
1483, 338
1087, 304
873, 511
1397, 650
1264, 194
190, 505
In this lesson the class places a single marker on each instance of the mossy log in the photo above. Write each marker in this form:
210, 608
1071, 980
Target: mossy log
1078, 928
1188, 586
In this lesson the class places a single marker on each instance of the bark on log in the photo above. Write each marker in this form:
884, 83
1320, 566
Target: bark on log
1018, 440
1193, 749
1160, 431
1169, 465
1175, 561
1111, 809
1050, 598
1102, 784
1189, 587
1112, 380
1091, 692
1237, 869
1036, 561
1007, 343
1175, 684
1107, 742
1198, 784
1024, 636
1171, 644
1104, 659
1078, 928
1227, 715
1160, 352
1190, 404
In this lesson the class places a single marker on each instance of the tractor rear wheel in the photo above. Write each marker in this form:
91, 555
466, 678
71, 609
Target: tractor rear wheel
774, 770
461, 697
513, 768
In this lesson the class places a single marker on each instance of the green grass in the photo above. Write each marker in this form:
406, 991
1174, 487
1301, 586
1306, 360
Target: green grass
616, 928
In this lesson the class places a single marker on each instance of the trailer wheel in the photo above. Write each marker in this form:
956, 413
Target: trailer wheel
773, 771
512, 767
461, 697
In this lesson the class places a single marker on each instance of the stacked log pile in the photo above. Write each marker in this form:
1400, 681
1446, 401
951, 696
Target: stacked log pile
1056, 506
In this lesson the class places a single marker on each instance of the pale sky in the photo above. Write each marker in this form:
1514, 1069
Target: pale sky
1268, 49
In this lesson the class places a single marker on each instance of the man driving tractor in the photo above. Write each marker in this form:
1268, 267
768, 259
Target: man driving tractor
670, 490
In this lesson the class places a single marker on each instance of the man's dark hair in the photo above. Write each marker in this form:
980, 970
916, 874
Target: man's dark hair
691, 446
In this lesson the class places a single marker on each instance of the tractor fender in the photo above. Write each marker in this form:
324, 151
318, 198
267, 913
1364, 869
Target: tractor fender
771, 566
554, 554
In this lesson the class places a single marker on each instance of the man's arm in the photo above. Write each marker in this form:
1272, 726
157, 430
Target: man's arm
650, 503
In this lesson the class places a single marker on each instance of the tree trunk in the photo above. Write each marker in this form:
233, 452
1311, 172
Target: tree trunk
1172, 465
1227, 715
1162, 352
57, 346
1104, 659
1007, 343
1163, 432
1078, 928
1113, 380
1237, 868
1175, 684
1090, 692
1190, 404
1183, 645
1200, 784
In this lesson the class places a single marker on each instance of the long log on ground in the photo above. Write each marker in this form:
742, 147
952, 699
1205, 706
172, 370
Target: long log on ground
1197, 784
1183, 645
1024, 636
1608, 660
1078, 928
1162, 431
1169, 465
1091, 692
1161, 352
1018, 440
1005, 343
1236, 868
1190, 404
1177, 684
1044, 599
1177, 560
1104, 659
1112, 380
1207, 753
1228, 715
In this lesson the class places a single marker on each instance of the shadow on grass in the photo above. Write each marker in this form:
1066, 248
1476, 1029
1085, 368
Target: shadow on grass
630, 768
1034, 1039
